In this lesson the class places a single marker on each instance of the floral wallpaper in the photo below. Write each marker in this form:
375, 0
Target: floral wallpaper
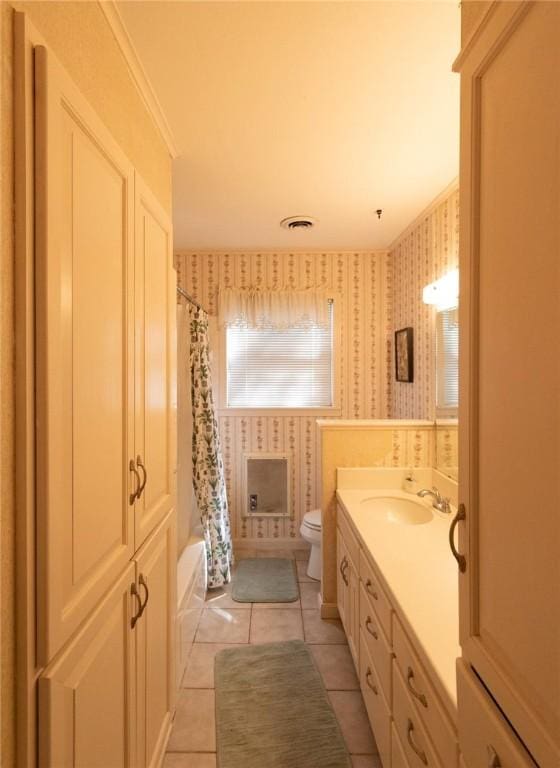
447, 447
363, 282
424, 252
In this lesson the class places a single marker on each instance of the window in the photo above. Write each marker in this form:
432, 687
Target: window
447, 359
280, 368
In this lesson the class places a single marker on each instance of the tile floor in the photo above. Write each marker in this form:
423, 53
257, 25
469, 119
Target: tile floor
225, 623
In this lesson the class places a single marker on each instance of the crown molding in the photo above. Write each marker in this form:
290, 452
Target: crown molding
138, 73
443, 195
473, 37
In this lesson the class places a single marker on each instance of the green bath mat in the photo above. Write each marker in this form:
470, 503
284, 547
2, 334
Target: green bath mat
265, 580
272, 710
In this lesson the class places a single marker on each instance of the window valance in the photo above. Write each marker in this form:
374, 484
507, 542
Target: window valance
252, 308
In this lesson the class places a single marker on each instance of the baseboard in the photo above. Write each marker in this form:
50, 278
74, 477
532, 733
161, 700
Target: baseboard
270, 544
328, 610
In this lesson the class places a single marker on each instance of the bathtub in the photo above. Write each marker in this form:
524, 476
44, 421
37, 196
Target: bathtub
191, 590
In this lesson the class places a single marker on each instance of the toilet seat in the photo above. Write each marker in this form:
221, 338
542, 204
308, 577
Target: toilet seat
310, 532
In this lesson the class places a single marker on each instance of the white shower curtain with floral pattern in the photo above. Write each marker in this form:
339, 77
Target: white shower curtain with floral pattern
208, 470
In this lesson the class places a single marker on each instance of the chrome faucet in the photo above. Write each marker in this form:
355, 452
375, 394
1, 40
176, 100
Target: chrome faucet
439, 502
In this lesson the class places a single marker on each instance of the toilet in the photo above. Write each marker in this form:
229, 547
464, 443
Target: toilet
311, 532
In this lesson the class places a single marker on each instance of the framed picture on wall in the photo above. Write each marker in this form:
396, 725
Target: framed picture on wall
404, 355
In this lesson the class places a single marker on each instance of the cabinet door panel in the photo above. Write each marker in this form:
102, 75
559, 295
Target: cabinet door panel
155, 309
86, 696
156, 642
341, 588
84, 337
483, 731
510, 377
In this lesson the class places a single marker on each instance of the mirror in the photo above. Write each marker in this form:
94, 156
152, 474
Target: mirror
447, 392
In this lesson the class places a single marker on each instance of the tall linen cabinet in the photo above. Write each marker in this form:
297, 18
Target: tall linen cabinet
106, 411
508, 681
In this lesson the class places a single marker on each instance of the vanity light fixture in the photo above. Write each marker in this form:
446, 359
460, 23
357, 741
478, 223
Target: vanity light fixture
443, 293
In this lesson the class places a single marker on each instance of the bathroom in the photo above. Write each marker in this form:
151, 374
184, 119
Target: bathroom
284, 521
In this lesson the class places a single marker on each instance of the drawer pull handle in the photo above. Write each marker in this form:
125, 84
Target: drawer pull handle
371, 685
372, 592
141, 466
371, 631
343, 566
142, 583
493, 758
134, 593
135, 494
420, 753
417, 695
461, 559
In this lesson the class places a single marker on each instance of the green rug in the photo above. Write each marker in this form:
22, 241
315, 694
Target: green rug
272, 710
265, 580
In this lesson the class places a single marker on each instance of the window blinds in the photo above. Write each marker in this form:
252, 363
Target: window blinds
280, 368
447, 356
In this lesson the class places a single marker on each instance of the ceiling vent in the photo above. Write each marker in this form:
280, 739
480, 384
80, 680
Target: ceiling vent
298, 222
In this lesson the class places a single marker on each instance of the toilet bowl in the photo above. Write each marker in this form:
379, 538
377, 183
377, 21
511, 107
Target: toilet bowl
311, 532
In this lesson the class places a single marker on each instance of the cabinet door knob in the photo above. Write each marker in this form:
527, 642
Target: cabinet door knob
493, 758
140, 464
461, 559
371, 591
135, 494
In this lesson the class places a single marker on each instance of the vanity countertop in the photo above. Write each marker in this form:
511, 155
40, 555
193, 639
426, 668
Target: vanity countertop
420, 576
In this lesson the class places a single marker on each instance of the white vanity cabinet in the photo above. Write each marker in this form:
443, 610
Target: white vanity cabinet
411, 725
348, 586
510, 382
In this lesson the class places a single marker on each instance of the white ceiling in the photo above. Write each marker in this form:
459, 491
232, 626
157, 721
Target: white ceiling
327, 109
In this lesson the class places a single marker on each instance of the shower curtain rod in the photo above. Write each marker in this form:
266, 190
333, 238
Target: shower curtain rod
188, 297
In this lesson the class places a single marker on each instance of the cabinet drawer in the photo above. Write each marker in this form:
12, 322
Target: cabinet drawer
424, 698
398, 759
377, 709
351, 542
417, 747
486, 737
378, 647
376, 596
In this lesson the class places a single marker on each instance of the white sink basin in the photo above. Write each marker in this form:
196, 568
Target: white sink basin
398, 510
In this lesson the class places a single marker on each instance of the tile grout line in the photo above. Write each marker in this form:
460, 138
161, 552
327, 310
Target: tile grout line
253, 612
